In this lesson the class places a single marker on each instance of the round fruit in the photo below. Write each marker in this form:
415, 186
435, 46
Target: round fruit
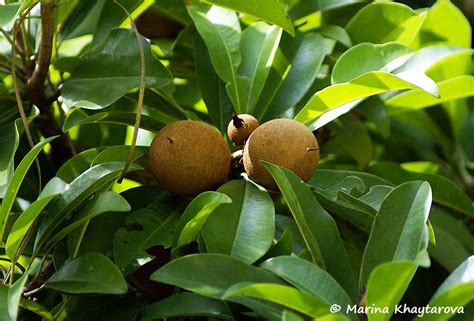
284, 142
152, 24
240, 128
188, 157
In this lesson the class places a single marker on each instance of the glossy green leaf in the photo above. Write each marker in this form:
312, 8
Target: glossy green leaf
10, 299
281, 294
309, 278
78, 164
284, 246
398, 227
349, 132
327, 178
118, 153
78, 117
295, 67
79, 190
196, 214
23, 223
317, 227
456, 291
226, 272
388, 22
386, 286
333, 101
91, 273
110, 70
269, 10
220, 30
212, 87
451, 89
449, 252
187, 305
8, 13
105, 202
375, 196
146, 228
258, 46
445, 192
244, 228
15, 183
445, 24
366, 57
428, 58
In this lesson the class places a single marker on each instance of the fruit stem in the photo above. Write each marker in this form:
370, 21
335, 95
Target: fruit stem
311, 149
238, 122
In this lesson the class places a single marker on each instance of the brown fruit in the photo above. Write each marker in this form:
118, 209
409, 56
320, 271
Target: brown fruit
284, 142
152, 24
188, 157
240, 128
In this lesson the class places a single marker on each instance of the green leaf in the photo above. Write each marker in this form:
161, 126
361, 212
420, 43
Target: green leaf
445, 24
449, 252
36, 308
212, 87
78, 117
226, 272
456, 291
78, 164
10, 299
366, 57
384, 22
23, 223
195, 216
398, 228
333, 101
327, 178
386, 286
294, 69
244, 228
258, 46
110, 70
350, 132
309, 278
146, 228
445, 192
451, 89
105, 202
15, 183
317, 227
187, 305
9, 139
90, 273
269, 10
220, 30
79, 190
8, 12
281, 294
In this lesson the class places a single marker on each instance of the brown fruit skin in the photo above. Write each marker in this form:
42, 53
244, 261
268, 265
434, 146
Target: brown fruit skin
152, 24
188, 157
283, 142
238, 135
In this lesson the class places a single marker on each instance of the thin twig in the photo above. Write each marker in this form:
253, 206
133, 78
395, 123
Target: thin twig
141, 94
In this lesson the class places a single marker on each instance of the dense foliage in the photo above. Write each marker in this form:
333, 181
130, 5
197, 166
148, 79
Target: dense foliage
386, 221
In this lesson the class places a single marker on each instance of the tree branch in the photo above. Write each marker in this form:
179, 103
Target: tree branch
35, 85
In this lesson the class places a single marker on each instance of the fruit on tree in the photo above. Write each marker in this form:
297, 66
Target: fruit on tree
188, 157
240, 128
284, 142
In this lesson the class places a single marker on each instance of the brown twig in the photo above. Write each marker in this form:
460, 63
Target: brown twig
141, 94
35, 85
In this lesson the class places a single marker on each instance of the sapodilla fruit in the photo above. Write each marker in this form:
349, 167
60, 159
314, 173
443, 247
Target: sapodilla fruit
240, 128
188, 157
284, 142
